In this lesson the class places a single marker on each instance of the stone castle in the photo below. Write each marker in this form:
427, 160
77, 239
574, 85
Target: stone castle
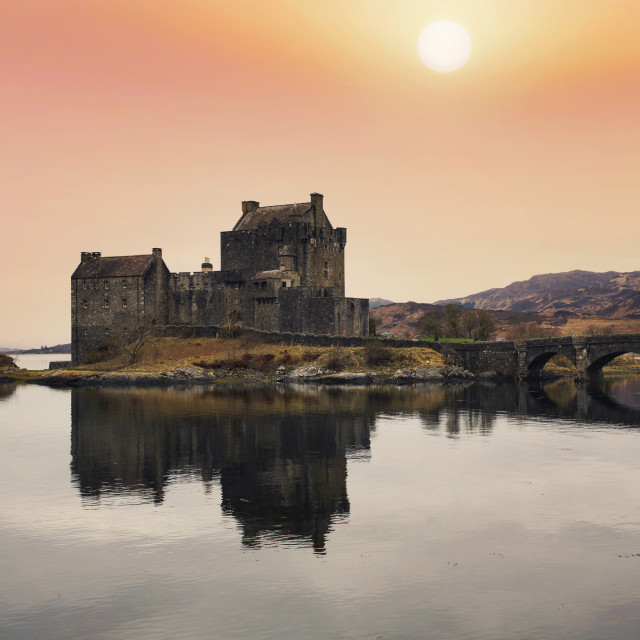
282, 271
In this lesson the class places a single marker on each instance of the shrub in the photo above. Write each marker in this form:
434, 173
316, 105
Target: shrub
310, 357
286, 359
216, 364
376, 354
265, 362
529, 330
7, 362
336, 359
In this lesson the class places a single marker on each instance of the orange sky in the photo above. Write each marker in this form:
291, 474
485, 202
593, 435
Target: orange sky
132, 124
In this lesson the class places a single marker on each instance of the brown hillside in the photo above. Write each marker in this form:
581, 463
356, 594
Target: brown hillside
611, 294
402, 320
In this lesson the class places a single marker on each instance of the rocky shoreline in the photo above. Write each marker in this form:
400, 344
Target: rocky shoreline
192, 375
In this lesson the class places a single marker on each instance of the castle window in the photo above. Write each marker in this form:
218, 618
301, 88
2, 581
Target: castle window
263, 285
124, 302
284, 285
106, 332
84, 284
106, 284
85, 304
326, 270
105, 303
86, 332
124, 284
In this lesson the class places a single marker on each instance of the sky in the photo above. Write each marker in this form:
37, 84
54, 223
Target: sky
132, 124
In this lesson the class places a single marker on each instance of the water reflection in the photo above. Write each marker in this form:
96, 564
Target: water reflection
280, 454
280, 457
7, 389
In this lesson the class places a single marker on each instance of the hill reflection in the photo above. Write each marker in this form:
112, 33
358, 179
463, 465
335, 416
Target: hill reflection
280, 455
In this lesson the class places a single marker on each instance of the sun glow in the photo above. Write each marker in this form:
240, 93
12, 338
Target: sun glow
444, 46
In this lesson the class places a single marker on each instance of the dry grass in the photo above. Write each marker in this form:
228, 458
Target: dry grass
249, 352
583, 326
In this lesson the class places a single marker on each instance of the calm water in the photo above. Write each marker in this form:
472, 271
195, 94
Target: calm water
38, 361
477, 512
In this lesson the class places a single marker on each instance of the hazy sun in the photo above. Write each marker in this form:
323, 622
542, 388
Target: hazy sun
444, 46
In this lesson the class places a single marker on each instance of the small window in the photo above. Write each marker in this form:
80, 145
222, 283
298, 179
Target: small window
106, 285
124, 302
106, 332
84, 285
105, 304
284, 285
326, 270
124, 284
86, 332
85, 304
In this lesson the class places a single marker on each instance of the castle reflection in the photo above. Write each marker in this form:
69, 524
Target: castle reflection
280, 454
280, 457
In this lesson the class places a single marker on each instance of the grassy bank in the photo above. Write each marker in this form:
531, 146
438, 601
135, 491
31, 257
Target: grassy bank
250, 353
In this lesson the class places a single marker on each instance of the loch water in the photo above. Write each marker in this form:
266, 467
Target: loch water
476, 511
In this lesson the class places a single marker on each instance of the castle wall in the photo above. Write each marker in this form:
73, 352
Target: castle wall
311, 311
319, 252
323, 260
103, 308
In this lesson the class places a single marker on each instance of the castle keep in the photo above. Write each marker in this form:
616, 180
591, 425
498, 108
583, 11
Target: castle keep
282, 270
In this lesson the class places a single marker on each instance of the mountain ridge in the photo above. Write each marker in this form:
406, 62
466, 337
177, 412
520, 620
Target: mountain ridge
612, 294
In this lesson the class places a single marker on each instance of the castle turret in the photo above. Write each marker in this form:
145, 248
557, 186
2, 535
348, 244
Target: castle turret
287, 259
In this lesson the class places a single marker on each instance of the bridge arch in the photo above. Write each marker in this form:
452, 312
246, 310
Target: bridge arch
596, 362
534, 355
537, 364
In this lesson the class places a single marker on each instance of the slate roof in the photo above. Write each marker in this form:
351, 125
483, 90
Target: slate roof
282, 213
274, 274
114, 267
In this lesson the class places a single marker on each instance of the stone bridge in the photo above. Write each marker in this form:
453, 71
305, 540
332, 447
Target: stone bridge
525, 359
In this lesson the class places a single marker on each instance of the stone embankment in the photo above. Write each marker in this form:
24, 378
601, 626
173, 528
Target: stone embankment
192, 375
401, 376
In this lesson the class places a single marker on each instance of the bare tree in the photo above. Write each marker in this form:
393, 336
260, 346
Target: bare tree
452, 320
232, 323
469, 321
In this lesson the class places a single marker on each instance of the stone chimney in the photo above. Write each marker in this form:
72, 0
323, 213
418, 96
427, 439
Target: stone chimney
207, 267
318, 208
157, 252
84, 256
249, 205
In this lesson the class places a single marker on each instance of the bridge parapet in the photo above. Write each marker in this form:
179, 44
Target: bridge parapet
525, 359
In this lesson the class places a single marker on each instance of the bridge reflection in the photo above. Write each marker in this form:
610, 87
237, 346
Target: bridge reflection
280, 455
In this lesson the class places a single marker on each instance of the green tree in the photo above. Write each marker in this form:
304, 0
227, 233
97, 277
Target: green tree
431, 325
372, 326
486, 324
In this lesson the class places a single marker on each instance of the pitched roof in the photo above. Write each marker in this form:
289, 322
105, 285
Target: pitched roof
283, 213
274, 274
114, 267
